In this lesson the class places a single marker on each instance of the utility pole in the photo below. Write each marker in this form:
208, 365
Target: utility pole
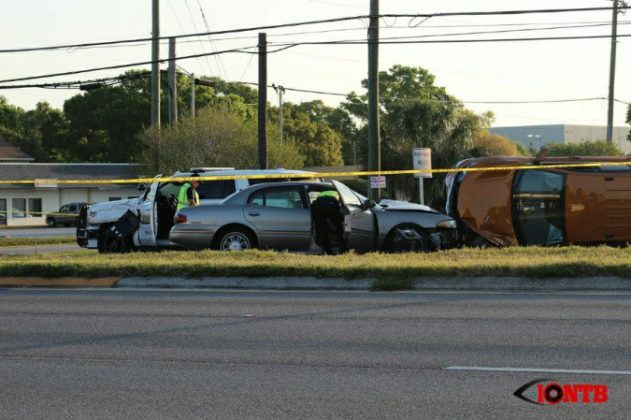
192, 95
374, 141
281, 91
612, 69
262, 117
172, 83
155, 66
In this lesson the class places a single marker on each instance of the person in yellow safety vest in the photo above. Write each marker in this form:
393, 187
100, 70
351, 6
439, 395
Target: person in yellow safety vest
188, 194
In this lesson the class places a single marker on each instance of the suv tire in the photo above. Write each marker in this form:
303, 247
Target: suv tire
109, 244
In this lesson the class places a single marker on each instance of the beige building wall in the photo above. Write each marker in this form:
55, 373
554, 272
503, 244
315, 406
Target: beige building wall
580, 133
51, 199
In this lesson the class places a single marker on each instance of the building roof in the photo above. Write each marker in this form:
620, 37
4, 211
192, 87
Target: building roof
26, 171
10, 153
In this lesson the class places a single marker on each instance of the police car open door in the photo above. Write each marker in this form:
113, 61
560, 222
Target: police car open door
359, 221
148, 230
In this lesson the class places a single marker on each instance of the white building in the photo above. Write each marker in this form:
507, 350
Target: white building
535, 136
27, 204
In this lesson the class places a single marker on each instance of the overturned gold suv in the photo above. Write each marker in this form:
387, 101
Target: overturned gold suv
547, 206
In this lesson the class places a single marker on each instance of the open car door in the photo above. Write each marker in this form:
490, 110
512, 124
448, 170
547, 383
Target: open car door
148, 231
359, 221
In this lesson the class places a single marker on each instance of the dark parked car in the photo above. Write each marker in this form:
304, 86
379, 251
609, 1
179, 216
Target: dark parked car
280, 216
67, 215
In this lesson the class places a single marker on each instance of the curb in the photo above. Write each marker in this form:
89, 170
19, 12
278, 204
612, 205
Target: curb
602, 283
58, 282
327, 283
270, 283
524, 283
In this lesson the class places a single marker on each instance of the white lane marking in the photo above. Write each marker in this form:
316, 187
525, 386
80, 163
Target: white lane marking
541, 370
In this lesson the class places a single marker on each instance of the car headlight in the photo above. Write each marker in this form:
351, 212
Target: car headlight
91, 214
447, 224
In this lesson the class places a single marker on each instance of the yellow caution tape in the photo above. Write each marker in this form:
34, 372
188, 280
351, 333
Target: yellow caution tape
312, 175
31, 213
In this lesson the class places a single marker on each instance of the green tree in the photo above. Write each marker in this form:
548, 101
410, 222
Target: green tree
40, 132
586, 148
486, 143
10, 127
45, 131
219, 137
104, 122
319, 144
417, 113
10, 115
340, 121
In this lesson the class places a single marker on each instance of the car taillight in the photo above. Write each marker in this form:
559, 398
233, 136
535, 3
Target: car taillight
180, 218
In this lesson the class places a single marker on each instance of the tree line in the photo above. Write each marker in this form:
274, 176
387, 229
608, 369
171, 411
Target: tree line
112, 124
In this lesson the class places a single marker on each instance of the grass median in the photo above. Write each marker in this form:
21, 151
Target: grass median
30, 241
391, 271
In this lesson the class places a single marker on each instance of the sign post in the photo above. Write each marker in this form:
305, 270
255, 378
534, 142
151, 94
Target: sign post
422, 160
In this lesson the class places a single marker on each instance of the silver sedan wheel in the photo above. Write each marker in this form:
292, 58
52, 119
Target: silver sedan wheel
235, 241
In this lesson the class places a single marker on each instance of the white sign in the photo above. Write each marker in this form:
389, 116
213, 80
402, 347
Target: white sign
377, 182
45, 183
422, 160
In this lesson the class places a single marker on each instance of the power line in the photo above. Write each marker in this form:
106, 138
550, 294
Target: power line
212, 44
314, 22
446, 41
548, 28
120, 66
190, 14
106, 81
285, 46
558, 27
115, 80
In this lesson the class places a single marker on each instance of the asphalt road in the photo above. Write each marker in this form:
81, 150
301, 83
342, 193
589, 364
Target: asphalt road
220, 354
37, 232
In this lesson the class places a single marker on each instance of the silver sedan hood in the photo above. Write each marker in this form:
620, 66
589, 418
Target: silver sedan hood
398, 205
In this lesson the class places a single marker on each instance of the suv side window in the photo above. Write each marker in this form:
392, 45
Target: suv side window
215, 189
64, 209
284, 198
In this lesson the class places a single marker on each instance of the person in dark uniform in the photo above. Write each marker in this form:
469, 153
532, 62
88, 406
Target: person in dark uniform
328, 221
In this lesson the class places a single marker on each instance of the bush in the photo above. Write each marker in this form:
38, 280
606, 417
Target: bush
217, 137
586, 148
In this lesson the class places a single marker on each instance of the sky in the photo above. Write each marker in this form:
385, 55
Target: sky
472, 72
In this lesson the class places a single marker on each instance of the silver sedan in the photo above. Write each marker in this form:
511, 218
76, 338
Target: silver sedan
279, 216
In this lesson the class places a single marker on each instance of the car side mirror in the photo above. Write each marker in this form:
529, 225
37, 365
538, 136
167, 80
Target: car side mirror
141, 187
369, 204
